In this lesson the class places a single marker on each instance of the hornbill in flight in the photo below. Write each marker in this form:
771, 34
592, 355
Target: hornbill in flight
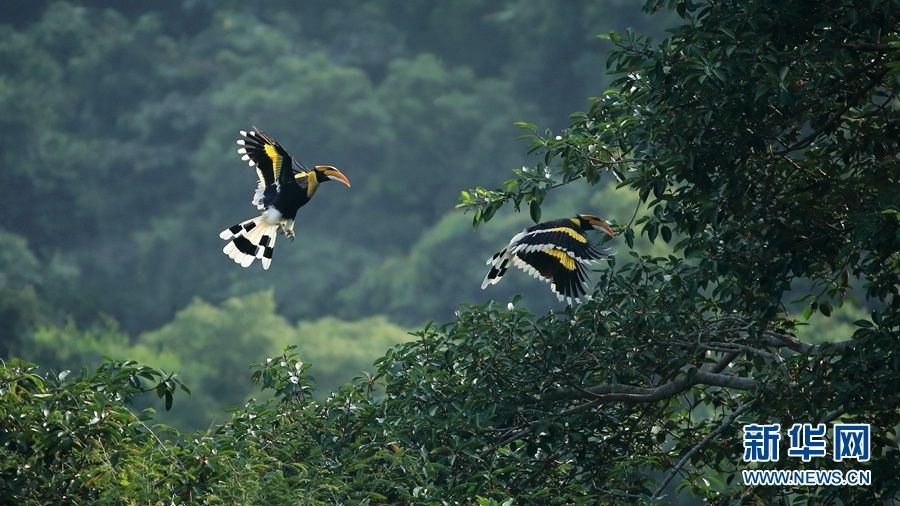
285, 185
557, 252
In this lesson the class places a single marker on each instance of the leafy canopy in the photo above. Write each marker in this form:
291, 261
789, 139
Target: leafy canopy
762, 138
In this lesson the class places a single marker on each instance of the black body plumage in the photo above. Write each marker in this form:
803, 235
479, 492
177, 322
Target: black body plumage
285, 186
557, 252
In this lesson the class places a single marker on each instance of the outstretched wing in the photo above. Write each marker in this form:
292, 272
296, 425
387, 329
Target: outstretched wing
565, 274
556, 252
269, 157
561, 236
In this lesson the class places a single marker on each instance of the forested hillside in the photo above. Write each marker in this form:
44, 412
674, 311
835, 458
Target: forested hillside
744, 153
119, 169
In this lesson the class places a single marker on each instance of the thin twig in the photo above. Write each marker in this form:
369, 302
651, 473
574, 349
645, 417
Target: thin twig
867, 46
726, 422
832, 415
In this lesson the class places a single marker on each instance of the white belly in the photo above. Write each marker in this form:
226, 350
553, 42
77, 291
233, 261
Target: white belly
272, 216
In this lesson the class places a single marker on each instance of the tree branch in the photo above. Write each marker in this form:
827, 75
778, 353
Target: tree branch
535, 424
620, 392
868, 46
783, 340
832, 122
726, 422
632, 393
723, 362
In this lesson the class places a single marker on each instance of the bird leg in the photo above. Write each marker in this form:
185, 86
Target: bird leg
287, 227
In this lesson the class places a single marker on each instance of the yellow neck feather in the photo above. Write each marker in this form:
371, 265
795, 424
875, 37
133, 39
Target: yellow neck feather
312, 183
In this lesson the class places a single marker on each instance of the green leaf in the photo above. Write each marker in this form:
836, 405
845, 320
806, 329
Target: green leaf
488, 212
807, 312
666, 233
535, 210
652, 229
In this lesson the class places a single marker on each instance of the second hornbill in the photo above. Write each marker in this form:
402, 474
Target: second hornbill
557, 252
285, 185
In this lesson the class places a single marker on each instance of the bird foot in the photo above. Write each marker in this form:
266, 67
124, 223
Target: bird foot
288, 229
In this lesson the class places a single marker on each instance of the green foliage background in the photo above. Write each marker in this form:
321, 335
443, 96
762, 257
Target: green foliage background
119, 167
748, 162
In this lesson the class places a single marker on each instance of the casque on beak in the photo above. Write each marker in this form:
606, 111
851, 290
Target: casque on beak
334, 174
600, 224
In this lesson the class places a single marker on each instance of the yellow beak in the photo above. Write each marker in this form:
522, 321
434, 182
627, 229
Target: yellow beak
600, 224
334, 174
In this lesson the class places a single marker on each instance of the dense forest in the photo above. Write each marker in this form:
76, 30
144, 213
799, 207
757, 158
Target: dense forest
120, 169
745, 153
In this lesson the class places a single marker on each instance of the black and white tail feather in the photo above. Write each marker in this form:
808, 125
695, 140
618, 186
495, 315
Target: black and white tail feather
252, 239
